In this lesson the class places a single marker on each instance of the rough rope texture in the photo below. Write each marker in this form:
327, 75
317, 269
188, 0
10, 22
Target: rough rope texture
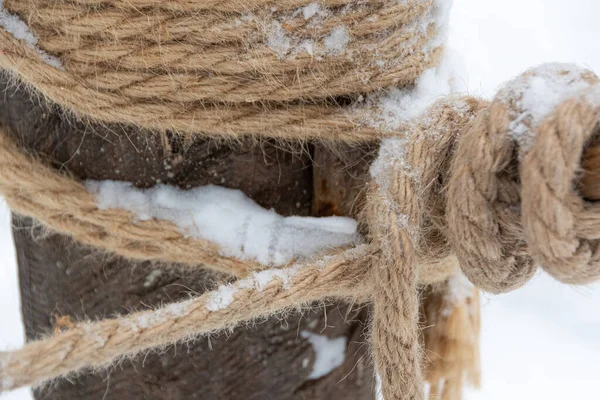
451, 337
452, 187
220, 70
414, 214
64, 205
98, 344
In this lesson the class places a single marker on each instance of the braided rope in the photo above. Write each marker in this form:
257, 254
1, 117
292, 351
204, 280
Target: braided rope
98, 344
64, 205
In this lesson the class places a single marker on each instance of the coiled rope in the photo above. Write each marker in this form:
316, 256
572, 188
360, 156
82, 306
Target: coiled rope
502, 214
462, 184
219, 71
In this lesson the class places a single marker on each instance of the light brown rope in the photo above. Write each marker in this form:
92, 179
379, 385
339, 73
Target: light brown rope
64, 205
179, 71
98, 344
451, 338
412, 219
451, 186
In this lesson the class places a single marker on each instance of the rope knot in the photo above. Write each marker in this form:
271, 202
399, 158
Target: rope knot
496, 186
512, 200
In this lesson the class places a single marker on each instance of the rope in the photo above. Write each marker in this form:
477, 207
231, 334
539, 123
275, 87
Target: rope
225, 70
64, 205
481, 185
98, 344
427, 202
451, 337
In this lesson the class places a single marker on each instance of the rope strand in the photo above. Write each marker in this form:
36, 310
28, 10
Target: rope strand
412, 221
492, 187
99, 344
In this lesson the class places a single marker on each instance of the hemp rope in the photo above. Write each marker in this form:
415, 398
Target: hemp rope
451, 339
460, 190
64, 205
410, 217
223, 88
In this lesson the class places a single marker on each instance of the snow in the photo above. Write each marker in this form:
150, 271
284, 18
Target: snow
539, 92
460, 289
277, 39
240, 227
543, 340
167, 312
540, 342
329, 353
287, 45
336, 41
223, 296
12, 334
20, 30
395, 107
311, 10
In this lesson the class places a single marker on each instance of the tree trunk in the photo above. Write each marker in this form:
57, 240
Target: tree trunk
60, 277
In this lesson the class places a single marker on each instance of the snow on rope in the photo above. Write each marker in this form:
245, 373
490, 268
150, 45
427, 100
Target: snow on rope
294, 69
493, 188
465, 187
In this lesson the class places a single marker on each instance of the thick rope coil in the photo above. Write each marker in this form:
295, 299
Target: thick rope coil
457, 182
489, 196
226, 70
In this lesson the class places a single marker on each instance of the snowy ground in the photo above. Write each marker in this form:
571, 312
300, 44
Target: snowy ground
542, 341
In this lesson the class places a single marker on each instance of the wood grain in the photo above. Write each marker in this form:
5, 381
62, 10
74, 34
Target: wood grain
268, 360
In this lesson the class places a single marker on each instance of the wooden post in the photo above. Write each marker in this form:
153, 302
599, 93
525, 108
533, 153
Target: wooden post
59, 277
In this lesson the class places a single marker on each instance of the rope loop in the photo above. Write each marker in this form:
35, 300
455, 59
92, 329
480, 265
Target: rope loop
512, 197
559, 224
491, 189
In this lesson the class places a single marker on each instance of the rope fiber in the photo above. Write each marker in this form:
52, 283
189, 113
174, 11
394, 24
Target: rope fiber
469, 189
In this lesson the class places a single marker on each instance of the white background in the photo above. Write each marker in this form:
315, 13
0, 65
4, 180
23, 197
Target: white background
542, 341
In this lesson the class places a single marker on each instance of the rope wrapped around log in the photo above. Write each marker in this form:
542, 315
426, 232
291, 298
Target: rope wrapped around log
470, 187
260, 68
455, 183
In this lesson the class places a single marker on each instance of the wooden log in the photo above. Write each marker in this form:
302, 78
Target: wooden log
59, 277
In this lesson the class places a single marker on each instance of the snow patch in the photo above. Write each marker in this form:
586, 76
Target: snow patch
537, 93
168, 312
223, 296
91, 332
20, 30
277, 39
152, 277
336, 41
459, 290
311, 10
397, 106
239, 226
288, 45
438, 18
329, 353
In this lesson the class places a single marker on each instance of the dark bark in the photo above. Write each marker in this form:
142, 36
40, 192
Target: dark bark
58, 276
